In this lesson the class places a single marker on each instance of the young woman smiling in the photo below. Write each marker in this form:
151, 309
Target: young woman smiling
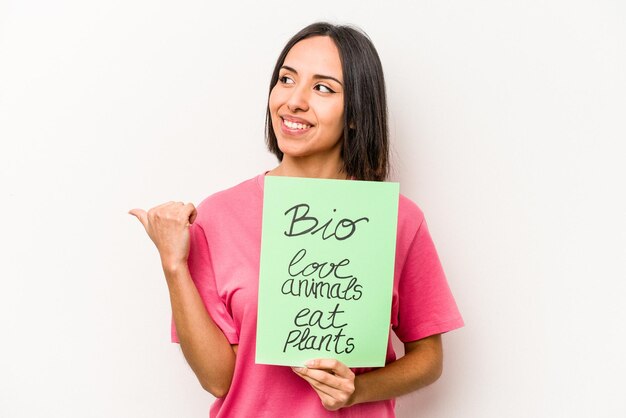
326, 118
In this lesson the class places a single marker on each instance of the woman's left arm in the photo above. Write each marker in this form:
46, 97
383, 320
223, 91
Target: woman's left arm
338, 387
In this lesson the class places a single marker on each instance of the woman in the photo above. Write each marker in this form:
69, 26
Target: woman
326, 118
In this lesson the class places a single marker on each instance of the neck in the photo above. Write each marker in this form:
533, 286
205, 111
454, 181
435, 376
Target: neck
294, 167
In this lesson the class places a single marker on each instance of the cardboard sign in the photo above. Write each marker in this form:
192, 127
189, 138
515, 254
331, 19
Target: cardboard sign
326, 274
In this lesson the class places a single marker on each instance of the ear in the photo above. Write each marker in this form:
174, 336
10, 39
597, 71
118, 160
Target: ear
351, 125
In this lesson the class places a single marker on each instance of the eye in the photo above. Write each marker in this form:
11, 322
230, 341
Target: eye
286, 80
323, 89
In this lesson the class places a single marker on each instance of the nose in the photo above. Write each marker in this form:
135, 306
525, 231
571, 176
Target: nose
299, 99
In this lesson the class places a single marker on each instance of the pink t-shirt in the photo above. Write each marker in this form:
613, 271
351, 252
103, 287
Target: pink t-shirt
224, 264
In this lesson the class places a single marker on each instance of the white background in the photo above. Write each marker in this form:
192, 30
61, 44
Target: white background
508, 130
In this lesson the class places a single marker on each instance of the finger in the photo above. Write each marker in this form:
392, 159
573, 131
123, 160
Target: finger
331, 398
164, 210
336, 366
192, 213
320, 387
325, 378
141, 215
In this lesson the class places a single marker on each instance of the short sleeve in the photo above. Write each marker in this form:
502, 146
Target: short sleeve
200, 267
425, 303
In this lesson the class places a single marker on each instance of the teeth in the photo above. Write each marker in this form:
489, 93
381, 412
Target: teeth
294, 125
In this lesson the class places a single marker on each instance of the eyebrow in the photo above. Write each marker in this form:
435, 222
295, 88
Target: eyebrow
316, 76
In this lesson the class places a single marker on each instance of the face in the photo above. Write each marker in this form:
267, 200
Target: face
306, 104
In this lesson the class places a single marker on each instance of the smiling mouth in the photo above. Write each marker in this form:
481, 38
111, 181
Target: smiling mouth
296, 125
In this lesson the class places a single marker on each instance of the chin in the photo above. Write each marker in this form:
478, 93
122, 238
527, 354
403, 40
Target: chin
290, 150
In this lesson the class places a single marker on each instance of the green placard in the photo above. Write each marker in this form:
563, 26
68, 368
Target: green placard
326, 275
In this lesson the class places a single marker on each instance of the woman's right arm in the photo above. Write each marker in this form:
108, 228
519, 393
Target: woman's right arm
203, 343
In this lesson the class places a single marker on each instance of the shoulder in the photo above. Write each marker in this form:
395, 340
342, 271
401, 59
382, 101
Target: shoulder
241, 196
410, 216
